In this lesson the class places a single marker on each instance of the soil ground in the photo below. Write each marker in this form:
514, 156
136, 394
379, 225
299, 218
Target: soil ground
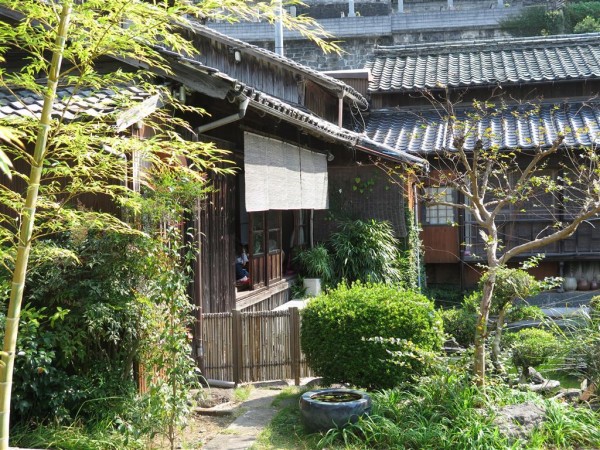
201, 428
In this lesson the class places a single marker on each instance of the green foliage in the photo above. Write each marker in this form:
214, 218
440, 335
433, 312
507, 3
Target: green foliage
524, 312
460, 323
165, 346
574, 17
298, 290
90, 316
286, 430
446, 412
580, 17
444, 295
410, 261
315, 263
242, 393
582, 344
340, 331
587, 25
80, 329
534, 21
442, 411
365, 251
531, 347
511, 284
438, 412
101, 436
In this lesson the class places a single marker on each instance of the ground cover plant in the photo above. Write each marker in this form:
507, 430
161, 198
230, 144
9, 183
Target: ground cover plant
444, 410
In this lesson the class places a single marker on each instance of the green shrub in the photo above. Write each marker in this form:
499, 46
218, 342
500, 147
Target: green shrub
315, 263
444, 295
524, 312
460, 323
532, 347
338, 331
366, 251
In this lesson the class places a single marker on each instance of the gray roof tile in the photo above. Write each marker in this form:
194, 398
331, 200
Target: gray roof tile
28, 104
499, 61
515, 126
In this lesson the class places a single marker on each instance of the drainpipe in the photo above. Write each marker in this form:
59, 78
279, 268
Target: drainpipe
416, 225
279, 29
340, 109
226, 120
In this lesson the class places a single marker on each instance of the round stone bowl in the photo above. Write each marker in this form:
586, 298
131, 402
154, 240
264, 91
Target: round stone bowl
324, 409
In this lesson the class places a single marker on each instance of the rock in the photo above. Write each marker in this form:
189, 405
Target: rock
534, 376
451, 346
543, 388
518, 421
588, 393
570, 394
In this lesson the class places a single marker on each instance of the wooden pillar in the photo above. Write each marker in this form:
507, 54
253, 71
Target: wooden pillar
236, 337
295, 344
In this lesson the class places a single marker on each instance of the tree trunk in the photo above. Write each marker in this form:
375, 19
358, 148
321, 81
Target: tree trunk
496, 344
481, 328
26, 231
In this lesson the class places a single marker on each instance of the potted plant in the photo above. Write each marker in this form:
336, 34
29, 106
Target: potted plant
315, 266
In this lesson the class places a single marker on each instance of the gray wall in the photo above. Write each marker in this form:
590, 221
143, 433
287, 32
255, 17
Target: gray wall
358, 35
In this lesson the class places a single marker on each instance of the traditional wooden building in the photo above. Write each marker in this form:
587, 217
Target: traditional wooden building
547, 86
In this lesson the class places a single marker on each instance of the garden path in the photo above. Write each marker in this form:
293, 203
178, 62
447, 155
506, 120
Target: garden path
258, 411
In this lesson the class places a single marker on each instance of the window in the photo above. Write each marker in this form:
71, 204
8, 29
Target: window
439, 214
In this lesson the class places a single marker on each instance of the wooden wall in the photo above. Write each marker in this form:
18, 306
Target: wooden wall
440, 244
215, 269
262, 75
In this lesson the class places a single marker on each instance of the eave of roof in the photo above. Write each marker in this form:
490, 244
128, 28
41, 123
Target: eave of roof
283, 110
485, 63
318, 77
427, 131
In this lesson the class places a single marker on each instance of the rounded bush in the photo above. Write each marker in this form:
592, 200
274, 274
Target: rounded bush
370, 335
532, 347
460, 324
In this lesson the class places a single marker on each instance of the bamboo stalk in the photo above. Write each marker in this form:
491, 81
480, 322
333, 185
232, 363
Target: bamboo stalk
26, 229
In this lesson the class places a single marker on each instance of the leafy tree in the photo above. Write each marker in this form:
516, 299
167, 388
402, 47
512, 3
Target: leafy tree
535, 21
587, 25
572, 17
63, 43
511, 285
492, 180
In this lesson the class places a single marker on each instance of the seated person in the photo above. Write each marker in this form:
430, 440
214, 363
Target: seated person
241, 274
241, 264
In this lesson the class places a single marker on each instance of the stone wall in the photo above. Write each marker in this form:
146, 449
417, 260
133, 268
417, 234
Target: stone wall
331, 10
358, 35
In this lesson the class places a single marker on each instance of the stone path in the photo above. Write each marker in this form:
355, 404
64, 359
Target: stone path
257, 412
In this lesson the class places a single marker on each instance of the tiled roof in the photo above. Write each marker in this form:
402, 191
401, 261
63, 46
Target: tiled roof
291, 113
516, 126
319, 77
85, 102
486, 62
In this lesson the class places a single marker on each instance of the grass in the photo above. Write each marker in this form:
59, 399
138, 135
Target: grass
443, 412
242, 393
285, 431
101, 436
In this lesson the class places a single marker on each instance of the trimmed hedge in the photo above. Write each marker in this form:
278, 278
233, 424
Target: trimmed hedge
337, 328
